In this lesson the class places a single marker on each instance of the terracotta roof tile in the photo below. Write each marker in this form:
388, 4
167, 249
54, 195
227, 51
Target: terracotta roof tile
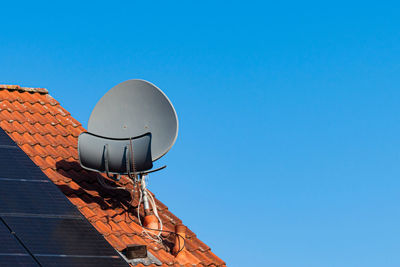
103, 227
77, 201
151, 265
213, 258
5, 115
135, 227
115, 242
48, 134
164, 256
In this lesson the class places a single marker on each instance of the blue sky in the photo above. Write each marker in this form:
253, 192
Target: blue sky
288, 150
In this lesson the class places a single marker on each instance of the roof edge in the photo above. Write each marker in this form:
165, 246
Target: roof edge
11, 87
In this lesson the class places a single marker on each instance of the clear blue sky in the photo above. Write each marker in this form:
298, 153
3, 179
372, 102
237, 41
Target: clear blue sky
289, 146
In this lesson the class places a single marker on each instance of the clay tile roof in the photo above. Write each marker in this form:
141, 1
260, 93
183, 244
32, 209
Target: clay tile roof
48, 134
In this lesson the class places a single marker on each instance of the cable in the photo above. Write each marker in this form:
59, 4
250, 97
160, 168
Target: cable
101, 181
149, 234
130, 162
146, 230
154, 206
174, 233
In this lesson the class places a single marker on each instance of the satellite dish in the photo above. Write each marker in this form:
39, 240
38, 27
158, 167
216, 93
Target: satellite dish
134, 108
131, 126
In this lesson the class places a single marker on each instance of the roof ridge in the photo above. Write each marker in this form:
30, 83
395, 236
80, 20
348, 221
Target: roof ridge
12, 87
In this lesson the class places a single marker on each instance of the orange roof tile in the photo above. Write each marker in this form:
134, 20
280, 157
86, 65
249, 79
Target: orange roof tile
48, 134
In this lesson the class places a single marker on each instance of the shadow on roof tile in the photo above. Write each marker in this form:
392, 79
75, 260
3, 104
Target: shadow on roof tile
87, 183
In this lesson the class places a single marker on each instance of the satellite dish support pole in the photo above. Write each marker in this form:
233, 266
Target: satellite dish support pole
146, 205
151, 220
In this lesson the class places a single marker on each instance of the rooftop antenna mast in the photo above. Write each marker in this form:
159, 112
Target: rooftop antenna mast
132, 125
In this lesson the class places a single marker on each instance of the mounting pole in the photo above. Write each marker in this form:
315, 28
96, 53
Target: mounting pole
150, 220
146, 205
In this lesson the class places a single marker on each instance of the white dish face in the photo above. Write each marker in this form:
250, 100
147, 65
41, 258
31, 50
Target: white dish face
133, 108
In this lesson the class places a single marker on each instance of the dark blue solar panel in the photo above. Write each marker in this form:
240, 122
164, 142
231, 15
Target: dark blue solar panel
5, 140
8, 243
17, 260
12, 253
44, 222
60, 236
33, 197
75, 261
15, 164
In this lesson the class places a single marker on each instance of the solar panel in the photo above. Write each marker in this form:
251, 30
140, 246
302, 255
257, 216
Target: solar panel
80, 261
33, 197
59, 236
15, 164
8, 243
17, 260
44, 222
12, 253
5, 140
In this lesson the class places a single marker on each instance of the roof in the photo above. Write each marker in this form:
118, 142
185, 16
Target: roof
48, 134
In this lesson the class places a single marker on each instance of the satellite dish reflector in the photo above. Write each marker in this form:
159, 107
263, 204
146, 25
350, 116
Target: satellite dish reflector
133, 108
131, 126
